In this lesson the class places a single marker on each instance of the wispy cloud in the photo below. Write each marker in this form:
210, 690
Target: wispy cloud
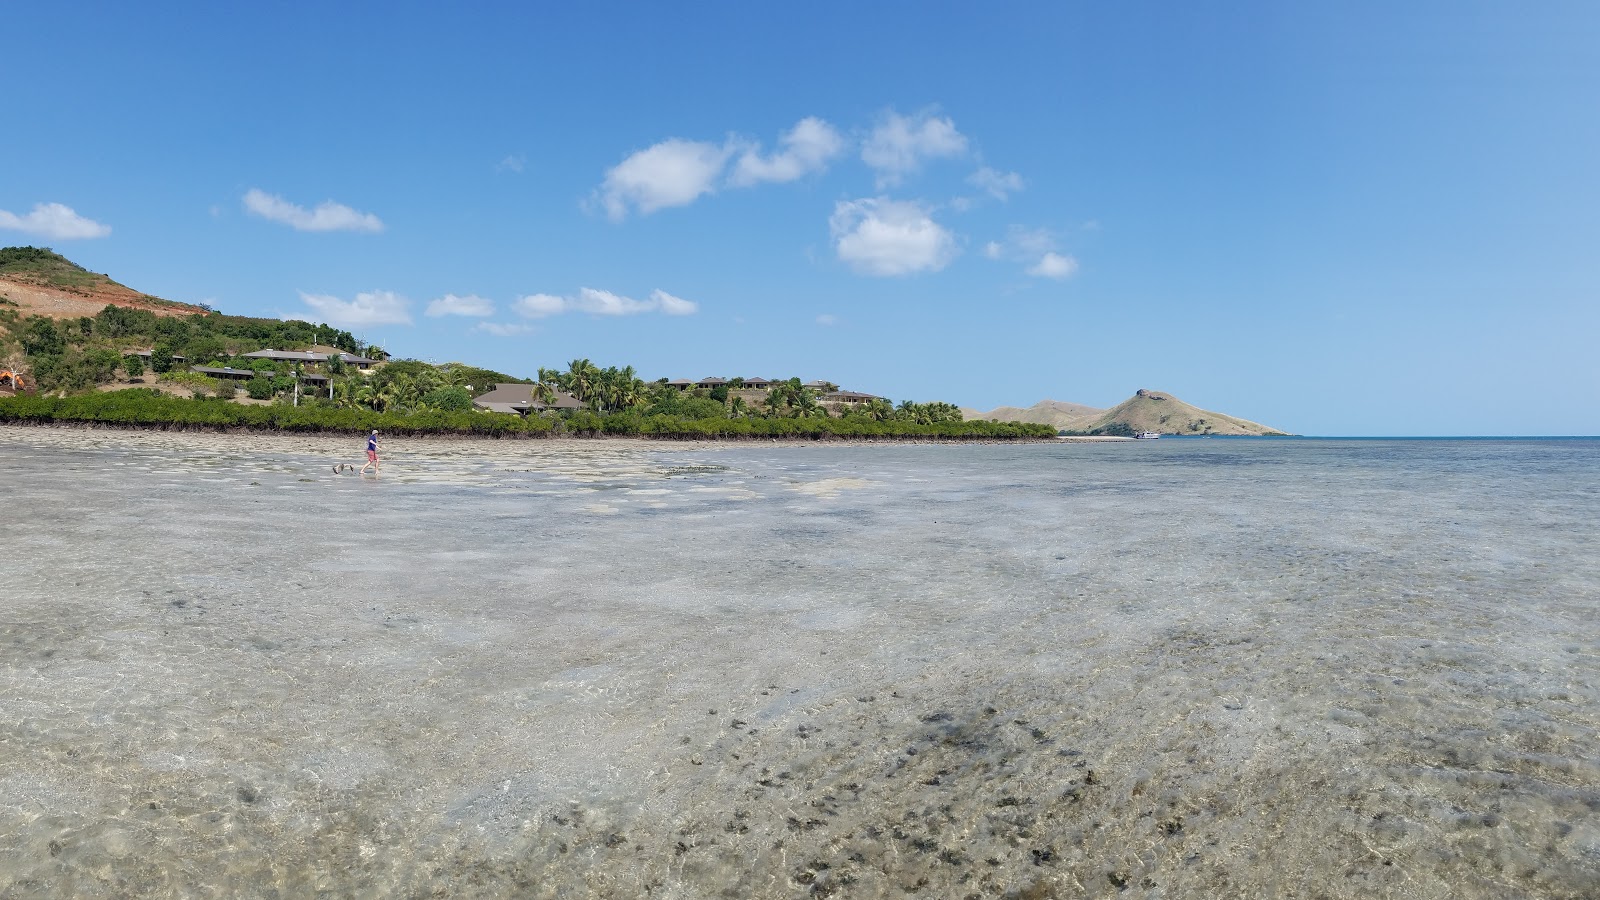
375, 308
827, 319
453, 305
504, 329
879, 236
997, 184
673, 306
672, 173
1035, 247
596, 302
326, 216
807, 147
54, 221
898, 145
512, 164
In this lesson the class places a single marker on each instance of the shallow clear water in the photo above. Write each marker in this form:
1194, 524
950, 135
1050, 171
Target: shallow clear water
1179, 668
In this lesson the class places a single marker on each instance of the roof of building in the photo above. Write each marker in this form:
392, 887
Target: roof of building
847, 396
518, 398
712, 381
232, 373
177, 357
757, 380
680, 381
306, 356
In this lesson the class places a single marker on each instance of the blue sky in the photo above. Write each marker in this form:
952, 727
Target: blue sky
1335, 218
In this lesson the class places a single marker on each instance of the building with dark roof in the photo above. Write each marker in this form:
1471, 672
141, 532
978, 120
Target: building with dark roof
518, 399
309, 357
850, 397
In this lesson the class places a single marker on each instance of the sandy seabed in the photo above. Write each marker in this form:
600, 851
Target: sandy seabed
624, 669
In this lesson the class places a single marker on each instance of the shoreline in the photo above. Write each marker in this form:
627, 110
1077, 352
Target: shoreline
525, 437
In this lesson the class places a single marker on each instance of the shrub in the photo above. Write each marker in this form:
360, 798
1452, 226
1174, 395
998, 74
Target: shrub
133, 365
259, 388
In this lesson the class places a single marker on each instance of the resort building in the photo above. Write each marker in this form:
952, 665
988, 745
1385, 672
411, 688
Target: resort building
757, 384
224, 372
847, 397
518, 399
145, 355
309, 357
682, 384
706, 384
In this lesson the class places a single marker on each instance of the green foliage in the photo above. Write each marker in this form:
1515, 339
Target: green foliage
481, 379
133, 365
148, 407
44, 264
204, 350
928, 413
161, 360
684, 405
41, 337
259, 388
75, 370
448, 399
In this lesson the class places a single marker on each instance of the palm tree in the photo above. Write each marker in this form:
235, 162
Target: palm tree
544, 392
580, 378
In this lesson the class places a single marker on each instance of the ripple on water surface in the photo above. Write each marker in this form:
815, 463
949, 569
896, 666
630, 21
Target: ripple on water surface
1201, 668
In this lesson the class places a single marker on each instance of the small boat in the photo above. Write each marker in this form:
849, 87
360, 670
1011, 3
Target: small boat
1147, 435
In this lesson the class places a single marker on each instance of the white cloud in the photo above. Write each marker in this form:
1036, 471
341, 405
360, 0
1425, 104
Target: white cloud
512, 164
537, 306
327, 216
993, 250
879, 236
1054, 265
452, 305
376, 308
54, 221
899, 144
997, 184
673, 306
807, 147
603, 303
827, 319
672, 173
503, 329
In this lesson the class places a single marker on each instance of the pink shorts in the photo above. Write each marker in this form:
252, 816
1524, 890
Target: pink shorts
372, 456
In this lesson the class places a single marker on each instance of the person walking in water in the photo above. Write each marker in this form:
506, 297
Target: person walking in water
372, 453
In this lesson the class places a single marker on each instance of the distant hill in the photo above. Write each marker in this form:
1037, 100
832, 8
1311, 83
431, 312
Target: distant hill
1046, 412
38, 281
1155, 411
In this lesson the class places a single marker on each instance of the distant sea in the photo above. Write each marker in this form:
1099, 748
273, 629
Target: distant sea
1217, 667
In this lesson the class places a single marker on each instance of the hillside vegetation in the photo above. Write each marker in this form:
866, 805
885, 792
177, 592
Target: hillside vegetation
39, 281
83, 360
